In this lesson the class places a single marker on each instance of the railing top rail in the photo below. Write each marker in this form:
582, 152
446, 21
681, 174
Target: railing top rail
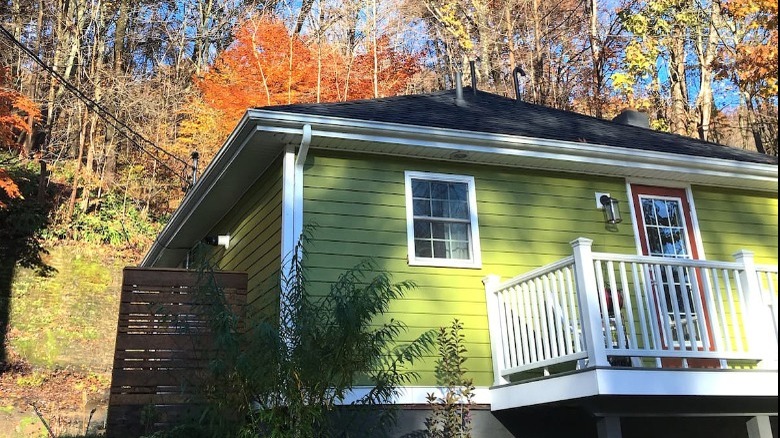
604, 256
538, 272
767, 268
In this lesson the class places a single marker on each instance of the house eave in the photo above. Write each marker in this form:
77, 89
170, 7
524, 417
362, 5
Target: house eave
511, 150
262, 134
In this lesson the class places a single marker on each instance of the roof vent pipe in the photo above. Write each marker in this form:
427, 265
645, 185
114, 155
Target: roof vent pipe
516, 73
459, 89
473, 70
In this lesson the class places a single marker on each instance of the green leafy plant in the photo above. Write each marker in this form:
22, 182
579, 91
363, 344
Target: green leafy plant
284, 377
451, 412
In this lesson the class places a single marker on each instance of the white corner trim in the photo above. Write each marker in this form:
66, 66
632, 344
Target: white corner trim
416, 395
475, 248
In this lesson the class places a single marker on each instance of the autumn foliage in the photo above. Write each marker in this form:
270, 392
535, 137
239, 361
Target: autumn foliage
268, 65
15, 112
756, 58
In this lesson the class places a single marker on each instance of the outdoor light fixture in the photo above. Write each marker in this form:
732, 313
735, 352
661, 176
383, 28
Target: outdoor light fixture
221, 240
611, 210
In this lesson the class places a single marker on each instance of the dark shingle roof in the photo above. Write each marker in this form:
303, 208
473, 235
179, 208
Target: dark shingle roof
486, 112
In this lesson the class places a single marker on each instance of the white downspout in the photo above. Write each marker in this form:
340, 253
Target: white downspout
292, 212
303, 151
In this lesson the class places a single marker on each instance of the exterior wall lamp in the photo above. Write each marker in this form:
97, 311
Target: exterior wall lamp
611, 209
221, 240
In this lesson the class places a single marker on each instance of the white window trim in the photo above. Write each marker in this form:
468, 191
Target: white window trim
476, 258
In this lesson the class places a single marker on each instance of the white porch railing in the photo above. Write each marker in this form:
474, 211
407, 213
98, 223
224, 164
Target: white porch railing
600, 309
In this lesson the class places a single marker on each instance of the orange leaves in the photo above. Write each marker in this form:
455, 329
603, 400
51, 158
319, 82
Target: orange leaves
756, 55
268, 65
15, 109
15, 112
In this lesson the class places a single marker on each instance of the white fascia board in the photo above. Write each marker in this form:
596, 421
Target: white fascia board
194, 196
519, 146
636, 382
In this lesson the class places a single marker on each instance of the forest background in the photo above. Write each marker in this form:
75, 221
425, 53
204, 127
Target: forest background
102, 103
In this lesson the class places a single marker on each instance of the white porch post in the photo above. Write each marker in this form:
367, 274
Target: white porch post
494, 327
759, 427
758, 321
588, 302
609, 427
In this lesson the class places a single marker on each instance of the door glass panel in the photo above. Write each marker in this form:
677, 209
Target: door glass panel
666, 235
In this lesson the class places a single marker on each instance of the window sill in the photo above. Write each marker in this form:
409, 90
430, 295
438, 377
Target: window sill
446, 263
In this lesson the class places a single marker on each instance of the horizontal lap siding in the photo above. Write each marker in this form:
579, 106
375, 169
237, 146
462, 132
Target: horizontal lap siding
255, 225
732, 220
526, 219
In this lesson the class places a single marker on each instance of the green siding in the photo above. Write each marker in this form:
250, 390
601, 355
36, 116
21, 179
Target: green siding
255, 228
732, 220
526, 219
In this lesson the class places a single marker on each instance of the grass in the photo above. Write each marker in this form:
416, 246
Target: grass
68, 319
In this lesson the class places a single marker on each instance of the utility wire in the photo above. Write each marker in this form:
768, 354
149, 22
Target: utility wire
103, 113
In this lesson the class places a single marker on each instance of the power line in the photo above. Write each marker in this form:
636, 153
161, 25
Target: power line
103, 113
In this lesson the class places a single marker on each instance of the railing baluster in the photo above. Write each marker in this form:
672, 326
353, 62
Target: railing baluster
716, 299
503, 318
703, 320
567, 335
527, 334
744, 313
540, 292
629, 306
555, 314
511, 324
687, 276
540, 352
549, 315
574, 319
616, 315
640, 305
734, 322
603, 314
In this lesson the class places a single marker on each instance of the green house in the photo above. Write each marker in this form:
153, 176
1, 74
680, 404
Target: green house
612, 280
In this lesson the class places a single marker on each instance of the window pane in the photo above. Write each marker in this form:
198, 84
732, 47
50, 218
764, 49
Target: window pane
422, 207
654, 242
662, 211
649, 211
422, 229
439, 249
459, 209
421, 189
459, 232
438, 208
439, 190
422, 248
459, 191
459, 250
439, 230
674, 214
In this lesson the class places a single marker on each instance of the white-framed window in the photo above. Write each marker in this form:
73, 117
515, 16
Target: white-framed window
441, 220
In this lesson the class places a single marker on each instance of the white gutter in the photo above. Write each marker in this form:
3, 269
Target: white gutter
513, 145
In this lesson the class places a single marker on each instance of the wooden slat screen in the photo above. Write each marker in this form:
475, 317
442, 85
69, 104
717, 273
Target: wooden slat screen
163, 346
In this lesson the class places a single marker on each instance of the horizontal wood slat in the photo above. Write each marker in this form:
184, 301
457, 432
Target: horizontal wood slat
164, 345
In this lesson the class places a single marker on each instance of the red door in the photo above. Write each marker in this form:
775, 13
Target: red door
666, 229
